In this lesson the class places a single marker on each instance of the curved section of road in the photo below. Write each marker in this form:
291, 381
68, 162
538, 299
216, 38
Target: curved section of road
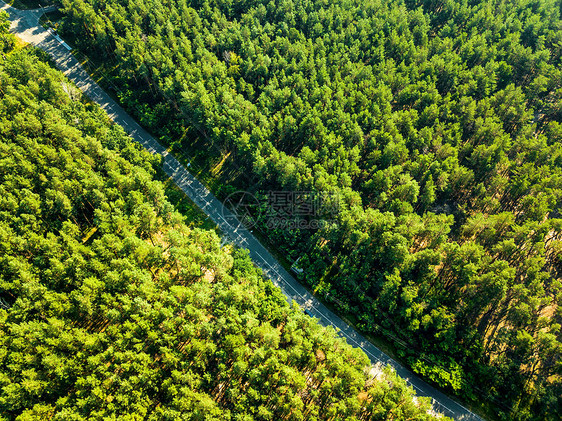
25, 24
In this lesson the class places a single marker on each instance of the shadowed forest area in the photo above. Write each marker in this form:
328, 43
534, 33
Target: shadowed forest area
437, 124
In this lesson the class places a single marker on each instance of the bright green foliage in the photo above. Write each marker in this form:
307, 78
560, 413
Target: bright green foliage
112, 308
437, 123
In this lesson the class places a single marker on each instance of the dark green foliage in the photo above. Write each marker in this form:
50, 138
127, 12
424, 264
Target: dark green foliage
112, 308
438, 124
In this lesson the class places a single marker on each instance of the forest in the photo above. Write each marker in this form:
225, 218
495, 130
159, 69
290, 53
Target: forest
436, 124
113, 307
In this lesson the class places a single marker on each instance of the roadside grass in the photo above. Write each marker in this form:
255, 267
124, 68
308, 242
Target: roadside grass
51, 19
19, 43
195, 217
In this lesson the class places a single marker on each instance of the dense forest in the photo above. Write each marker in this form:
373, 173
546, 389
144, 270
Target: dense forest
437, 124
111, 307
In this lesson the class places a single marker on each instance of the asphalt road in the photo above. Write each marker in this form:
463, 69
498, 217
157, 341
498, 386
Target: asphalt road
25, 24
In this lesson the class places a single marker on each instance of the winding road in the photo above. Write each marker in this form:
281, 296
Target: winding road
25, 24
